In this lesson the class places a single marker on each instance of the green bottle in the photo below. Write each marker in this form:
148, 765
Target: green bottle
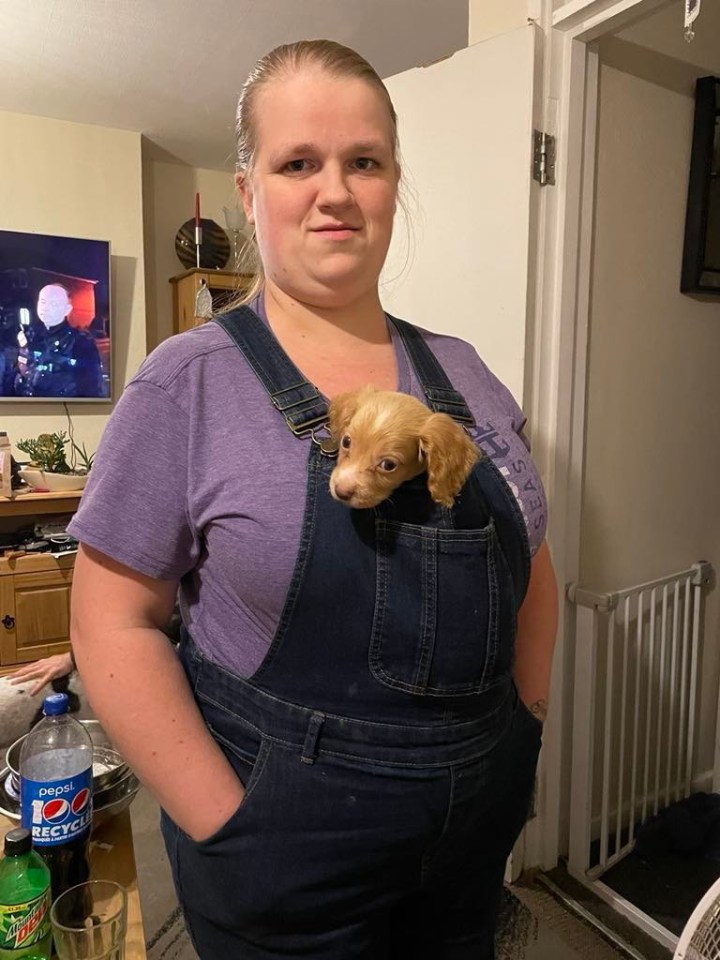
24, 900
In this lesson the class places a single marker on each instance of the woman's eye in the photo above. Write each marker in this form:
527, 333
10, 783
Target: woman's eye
365, 164
345, 442
388, 465
295, 166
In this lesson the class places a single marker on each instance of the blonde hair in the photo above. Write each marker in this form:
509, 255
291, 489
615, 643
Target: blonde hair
336, 60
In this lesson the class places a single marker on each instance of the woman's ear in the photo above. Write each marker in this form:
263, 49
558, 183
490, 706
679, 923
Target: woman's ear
244, 189
343, 408
450, 455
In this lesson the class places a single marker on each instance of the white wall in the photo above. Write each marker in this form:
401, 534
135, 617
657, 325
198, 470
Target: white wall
465, 134
169, 200
652, 456
84, 181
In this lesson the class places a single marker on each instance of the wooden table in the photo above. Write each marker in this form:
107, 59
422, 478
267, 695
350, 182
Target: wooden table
112, 857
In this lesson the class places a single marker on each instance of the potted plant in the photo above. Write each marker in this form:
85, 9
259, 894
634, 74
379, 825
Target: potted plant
48, 468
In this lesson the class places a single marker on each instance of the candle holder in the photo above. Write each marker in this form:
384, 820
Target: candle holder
214, 249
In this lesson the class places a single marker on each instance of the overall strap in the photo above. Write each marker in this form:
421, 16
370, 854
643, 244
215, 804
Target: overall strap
433, 379
300, 403
493, 490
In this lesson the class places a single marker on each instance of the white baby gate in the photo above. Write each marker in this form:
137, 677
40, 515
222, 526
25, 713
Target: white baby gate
634, 714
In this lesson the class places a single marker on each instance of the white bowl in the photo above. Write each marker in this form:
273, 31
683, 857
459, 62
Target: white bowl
55, 482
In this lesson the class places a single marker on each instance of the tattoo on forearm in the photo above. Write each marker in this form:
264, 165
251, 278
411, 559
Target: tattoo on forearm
539, 710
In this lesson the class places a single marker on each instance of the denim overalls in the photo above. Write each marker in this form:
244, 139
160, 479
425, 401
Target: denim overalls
387, 759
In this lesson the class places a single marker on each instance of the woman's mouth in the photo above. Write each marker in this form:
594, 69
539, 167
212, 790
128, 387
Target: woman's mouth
339, 231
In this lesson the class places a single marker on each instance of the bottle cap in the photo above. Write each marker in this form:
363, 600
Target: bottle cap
17, 842
56, 704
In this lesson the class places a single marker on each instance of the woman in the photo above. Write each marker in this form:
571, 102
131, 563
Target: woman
340, 752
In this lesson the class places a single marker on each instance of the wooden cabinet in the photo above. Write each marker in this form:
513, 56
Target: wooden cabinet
34, 607
34, 589
224, 287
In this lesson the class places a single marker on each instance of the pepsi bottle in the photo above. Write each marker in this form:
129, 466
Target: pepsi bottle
56, 793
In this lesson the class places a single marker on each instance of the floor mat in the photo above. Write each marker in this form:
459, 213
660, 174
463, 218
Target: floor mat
171, 942
667, 887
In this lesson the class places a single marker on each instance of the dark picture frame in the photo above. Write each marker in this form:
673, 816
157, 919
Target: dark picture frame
701, 252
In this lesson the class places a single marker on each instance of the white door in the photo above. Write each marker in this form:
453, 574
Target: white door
462, 265
466, 128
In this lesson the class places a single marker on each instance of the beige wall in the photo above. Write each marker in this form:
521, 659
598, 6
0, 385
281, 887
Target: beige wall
85, 181
650, 504
488, 18
169, 200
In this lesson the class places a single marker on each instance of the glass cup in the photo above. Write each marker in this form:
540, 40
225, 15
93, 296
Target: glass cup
89, 921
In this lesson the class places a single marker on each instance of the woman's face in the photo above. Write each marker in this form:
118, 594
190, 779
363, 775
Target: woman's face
323, 187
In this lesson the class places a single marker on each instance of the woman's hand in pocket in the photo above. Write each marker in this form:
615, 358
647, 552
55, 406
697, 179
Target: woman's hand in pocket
538, 708
203, 823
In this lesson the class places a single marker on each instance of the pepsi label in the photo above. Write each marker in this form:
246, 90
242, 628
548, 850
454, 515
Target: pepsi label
59, 811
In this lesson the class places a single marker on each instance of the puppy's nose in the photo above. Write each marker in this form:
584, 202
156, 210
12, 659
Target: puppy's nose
344, 491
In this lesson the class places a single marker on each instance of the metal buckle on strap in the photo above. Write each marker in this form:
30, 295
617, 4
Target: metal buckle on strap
311, 428
328, 445
282, 406
466, 419
452, 399
307, 427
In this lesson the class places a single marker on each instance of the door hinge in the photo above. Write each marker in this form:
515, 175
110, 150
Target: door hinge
543, 158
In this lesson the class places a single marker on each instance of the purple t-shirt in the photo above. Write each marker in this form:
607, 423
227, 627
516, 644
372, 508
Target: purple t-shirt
198, 477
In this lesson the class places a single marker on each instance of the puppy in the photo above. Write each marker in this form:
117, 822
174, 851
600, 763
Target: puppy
386, 438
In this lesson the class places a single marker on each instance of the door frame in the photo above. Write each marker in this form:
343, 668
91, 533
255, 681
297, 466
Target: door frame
557, 355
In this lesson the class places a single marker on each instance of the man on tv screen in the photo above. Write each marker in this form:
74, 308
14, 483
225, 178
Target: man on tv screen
57, 360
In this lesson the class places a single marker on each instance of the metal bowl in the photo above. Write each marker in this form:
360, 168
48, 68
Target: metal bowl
108, 765
114, 800
106, 804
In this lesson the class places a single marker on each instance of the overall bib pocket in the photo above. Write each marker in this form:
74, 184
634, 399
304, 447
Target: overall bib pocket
435, 629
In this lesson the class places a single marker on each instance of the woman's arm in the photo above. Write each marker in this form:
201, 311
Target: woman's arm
537, 628
137, 688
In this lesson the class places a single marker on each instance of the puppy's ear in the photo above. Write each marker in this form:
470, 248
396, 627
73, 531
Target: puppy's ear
343, 408
450, 455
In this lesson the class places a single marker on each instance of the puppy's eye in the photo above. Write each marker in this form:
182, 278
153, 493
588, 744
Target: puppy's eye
388, 465
345, 442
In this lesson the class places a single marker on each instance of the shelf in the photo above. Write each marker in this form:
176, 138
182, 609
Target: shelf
37, 563
29, 504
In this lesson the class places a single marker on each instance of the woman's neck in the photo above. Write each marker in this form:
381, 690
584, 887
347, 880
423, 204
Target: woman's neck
362, 319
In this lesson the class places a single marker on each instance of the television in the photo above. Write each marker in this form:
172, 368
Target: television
701, 251
55, 337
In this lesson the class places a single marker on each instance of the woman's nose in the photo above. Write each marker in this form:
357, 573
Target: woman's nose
333, 189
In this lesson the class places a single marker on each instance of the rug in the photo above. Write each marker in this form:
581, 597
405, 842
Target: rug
171, 942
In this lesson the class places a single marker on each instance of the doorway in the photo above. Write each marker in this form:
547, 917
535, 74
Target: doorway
645, 388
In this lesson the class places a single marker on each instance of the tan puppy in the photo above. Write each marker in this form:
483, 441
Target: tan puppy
386, 438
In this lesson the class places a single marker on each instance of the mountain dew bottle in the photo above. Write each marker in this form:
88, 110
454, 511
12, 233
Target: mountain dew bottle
24, 900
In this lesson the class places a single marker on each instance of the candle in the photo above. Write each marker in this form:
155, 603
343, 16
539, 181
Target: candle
198, 230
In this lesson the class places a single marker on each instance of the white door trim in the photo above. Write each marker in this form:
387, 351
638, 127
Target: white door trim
557, 357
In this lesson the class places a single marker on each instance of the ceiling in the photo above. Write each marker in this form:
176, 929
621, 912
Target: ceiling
172, 69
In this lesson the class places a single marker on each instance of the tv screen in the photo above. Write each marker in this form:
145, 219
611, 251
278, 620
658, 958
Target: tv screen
54, 318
